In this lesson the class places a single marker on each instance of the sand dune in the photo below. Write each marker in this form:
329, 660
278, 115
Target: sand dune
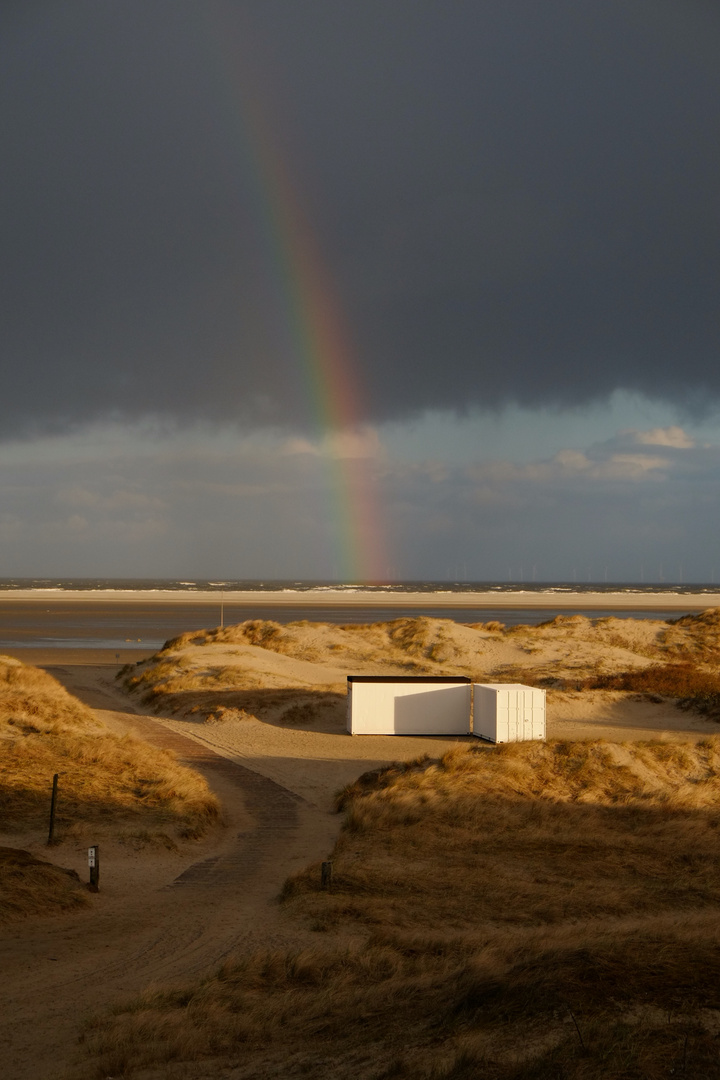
530, 911
274, 696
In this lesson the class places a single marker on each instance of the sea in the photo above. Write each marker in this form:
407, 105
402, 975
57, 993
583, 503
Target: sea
145, 622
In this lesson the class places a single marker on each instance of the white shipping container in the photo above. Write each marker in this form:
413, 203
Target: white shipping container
508, 712
408, 706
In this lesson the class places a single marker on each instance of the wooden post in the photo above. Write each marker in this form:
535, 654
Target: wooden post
94, 864
53, 804
577, 1028
326, 876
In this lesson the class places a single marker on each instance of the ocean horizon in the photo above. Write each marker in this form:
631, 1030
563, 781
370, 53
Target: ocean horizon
202, 585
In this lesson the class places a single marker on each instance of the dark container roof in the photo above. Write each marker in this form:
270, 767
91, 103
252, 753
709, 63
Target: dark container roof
410, 678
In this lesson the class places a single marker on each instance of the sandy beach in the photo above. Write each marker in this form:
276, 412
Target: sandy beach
550, 599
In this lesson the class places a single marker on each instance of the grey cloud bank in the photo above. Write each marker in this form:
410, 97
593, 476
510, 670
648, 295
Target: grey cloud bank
515, 202
641, 505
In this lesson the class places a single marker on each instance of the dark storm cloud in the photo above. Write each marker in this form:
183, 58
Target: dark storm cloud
516, 202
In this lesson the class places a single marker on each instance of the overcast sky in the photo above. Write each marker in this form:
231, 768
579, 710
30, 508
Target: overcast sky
486, 237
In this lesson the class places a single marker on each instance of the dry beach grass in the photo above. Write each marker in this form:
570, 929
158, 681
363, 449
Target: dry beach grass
108, 784
536, 911
286, 674
31, 886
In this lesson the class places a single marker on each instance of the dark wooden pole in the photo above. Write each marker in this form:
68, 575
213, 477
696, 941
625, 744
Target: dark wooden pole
53, 804
326, 875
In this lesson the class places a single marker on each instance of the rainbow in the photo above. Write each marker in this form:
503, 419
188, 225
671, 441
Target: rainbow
316, 329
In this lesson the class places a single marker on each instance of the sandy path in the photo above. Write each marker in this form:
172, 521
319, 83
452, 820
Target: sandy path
155, 919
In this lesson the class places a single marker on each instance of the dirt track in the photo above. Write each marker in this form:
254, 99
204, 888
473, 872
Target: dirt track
155, 920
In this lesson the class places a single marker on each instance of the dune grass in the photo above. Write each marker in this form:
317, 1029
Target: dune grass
106, 784
695, 688
416, 645
102, 778
31, 886
535, 911
218, 694
692, 686
672, 662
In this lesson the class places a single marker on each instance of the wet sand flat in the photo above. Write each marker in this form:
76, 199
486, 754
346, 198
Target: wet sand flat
110, 623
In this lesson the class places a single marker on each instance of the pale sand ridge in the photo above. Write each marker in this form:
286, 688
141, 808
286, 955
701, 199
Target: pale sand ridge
362, 598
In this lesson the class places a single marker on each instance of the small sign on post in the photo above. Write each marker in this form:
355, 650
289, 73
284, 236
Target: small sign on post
94, 864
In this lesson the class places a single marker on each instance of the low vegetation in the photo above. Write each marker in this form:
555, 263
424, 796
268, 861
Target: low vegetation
425, 642
294, 673
534, 911
44, 730
112, 784
691, 687
31, 886
218, 694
